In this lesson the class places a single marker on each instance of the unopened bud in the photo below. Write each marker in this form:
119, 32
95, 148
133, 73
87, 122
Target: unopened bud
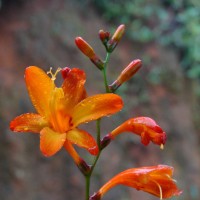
126, 74
65, 71
112, 43
104, 36
84, 47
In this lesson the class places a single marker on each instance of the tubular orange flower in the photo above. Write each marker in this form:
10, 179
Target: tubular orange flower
156, 180
61, 110
146, 127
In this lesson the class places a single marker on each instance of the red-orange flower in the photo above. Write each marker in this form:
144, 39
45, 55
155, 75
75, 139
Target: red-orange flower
61, 109
146, 127
156, 180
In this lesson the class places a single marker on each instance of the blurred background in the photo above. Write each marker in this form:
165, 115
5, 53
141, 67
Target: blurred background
164, 34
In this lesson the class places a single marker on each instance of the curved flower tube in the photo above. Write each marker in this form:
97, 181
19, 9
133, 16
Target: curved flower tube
156, 180
146, 127
61, 110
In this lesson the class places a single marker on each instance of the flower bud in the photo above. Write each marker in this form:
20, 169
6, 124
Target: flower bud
126, 74
104, 36
112, 43
84, 47
89, 52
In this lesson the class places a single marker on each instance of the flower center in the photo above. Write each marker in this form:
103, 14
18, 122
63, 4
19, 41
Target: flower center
59, 118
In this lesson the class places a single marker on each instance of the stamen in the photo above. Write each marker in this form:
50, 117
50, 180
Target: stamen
162, 146
160, 189
53, 75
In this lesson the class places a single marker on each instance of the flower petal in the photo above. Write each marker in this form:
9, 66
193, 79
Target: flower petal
73, 87
95, 107
28, 122
40, 88
72, 152
143, 126
51, 141
156, 180
83, 139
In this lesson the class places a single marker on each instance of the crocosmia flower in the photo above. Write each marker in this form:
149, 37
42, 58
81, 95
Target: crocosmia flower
145, 127
156, 180
61, 109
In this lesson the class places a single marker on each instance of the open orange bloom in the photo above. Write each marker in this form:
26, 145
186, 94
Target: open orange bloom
146, 127
156, 180
61, 110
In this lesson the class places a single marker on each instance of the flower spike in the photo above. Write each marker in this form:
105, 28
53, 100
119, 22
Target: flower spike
145, 127
155, 180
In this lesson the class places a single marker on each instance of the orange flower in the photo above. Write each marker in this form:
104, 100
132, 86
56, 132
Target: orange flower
156, 180
61, 110
146, 127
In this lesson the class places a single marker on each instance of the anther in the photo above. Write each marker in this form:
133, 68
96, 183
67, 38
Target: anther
53, 75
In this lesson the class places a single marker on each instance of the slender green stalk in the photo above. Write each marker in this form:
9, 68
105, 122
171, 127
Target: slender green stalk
104, 72
98, 125
87, 187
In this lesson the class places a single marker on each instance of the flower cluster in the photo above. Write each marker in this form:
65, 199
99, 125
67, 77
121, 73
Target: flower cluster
60, 111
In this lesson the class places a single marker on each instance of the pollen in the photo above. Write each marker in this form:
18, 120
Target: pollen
53, 75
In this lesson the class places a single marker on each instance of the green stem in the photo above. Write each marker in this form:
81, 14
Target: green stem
98, 143
98, 123
104, 72
87, 187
